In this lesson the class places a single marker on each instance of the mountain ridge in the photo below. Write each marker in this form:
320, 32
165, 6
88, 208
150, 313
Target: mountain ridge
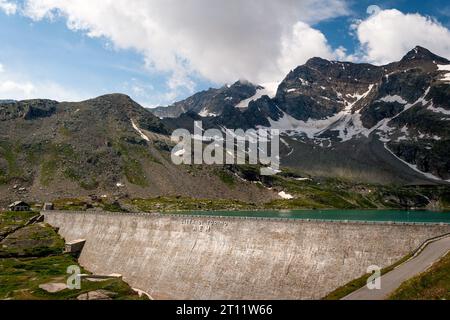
361, 123
109, 145
404, 104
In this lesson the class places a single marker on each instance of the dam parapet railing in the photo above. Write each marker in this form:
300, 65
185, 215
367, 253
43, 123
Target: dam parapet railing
241, 218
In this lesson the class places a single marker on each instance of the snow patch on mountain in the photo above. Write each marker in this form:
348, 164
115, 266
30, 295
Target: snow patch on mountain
358, 97
414, 167
288, 124
384, 130
135, 127
348, 124
285, 195
395, 98
438, 110
268, 89
303, 82
285, 142
445, 67
205, 113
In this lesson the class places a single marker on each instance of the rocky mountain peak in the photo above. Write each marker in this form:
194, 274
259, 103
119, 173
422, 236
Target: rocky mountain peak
211, 102
113, 98
422, 54
317, 63
243, 83
121, 107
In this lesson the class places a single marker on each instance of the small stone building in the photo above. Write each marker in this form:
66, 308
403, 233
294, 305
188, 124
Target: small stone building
74, 247
19, 206
48, 206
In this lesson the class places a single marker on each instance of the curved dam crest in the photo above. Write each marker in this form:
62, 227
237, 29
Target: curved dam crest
184, 257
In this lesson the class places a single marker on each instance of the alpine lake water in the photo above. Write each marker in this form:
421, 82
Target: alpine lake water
398, 216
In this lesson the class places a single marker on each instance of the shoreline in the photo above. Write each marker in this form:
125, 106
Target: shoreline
255, 218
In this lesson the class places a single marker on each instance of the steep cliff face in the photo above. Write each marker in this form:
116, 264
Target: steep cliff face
210, 103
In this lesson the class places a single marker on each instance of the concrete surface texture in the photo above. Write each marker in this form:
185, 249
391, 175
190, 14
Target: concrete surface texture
182, 257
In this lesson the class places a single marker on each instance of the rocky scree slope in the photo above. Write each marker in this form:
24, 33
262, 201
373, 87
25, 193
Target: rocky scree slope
107, 146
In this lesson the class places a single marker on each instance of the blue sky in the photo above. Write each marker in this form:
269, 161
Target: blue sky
60, 62
337, 29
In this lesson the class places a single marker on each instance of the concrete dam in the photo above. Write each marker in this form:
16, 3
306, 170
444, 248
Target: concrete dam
191, 257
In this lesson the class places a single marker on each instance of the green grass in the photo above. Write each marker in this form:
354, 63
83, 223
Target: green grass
311, 194
36, 240
14, 170
301, 202
360, 282
12, 220
85, 183
89, 184
81, 204
134, 172
133, 155
52, 155
338, 193
72, 174
65, 132
71, 204
48, 171
32, 256
433, 284
187, 204
113, 207
226, 178
20, 279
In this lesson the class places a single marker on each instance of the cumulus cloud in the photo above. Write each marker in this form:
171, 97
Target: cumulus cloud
18, 87
23, 90
303, 43
8, 7
14, 90
222, 41
387, 35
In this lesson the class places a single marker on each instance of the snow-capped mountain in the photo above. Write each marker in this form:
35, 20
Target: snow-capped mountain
347, 116
212, 102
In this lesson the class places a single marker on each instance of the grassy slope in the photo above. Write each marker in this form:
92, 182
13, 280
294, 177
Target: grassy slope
433, 284
311, 194
20, 279
316, 193
32, 256
360, 282
9, 221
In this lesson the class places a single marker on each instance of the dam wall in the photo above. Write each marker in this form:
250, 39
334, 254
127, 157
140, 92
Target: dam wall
183, 257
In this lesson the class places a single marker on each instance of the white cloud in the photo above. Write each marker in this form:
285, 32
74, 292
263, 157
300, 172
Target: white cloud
14, 90
8, 7
303, 43
17, 87
388, 35
222, 41
2, 69
18, 90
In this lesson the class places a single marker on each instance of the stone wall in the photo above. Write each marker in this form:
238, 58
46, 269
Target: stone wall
181, 257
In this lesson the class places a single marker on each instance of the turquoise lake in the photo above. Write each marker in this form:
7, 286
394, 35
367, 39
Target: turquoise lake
339, 215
